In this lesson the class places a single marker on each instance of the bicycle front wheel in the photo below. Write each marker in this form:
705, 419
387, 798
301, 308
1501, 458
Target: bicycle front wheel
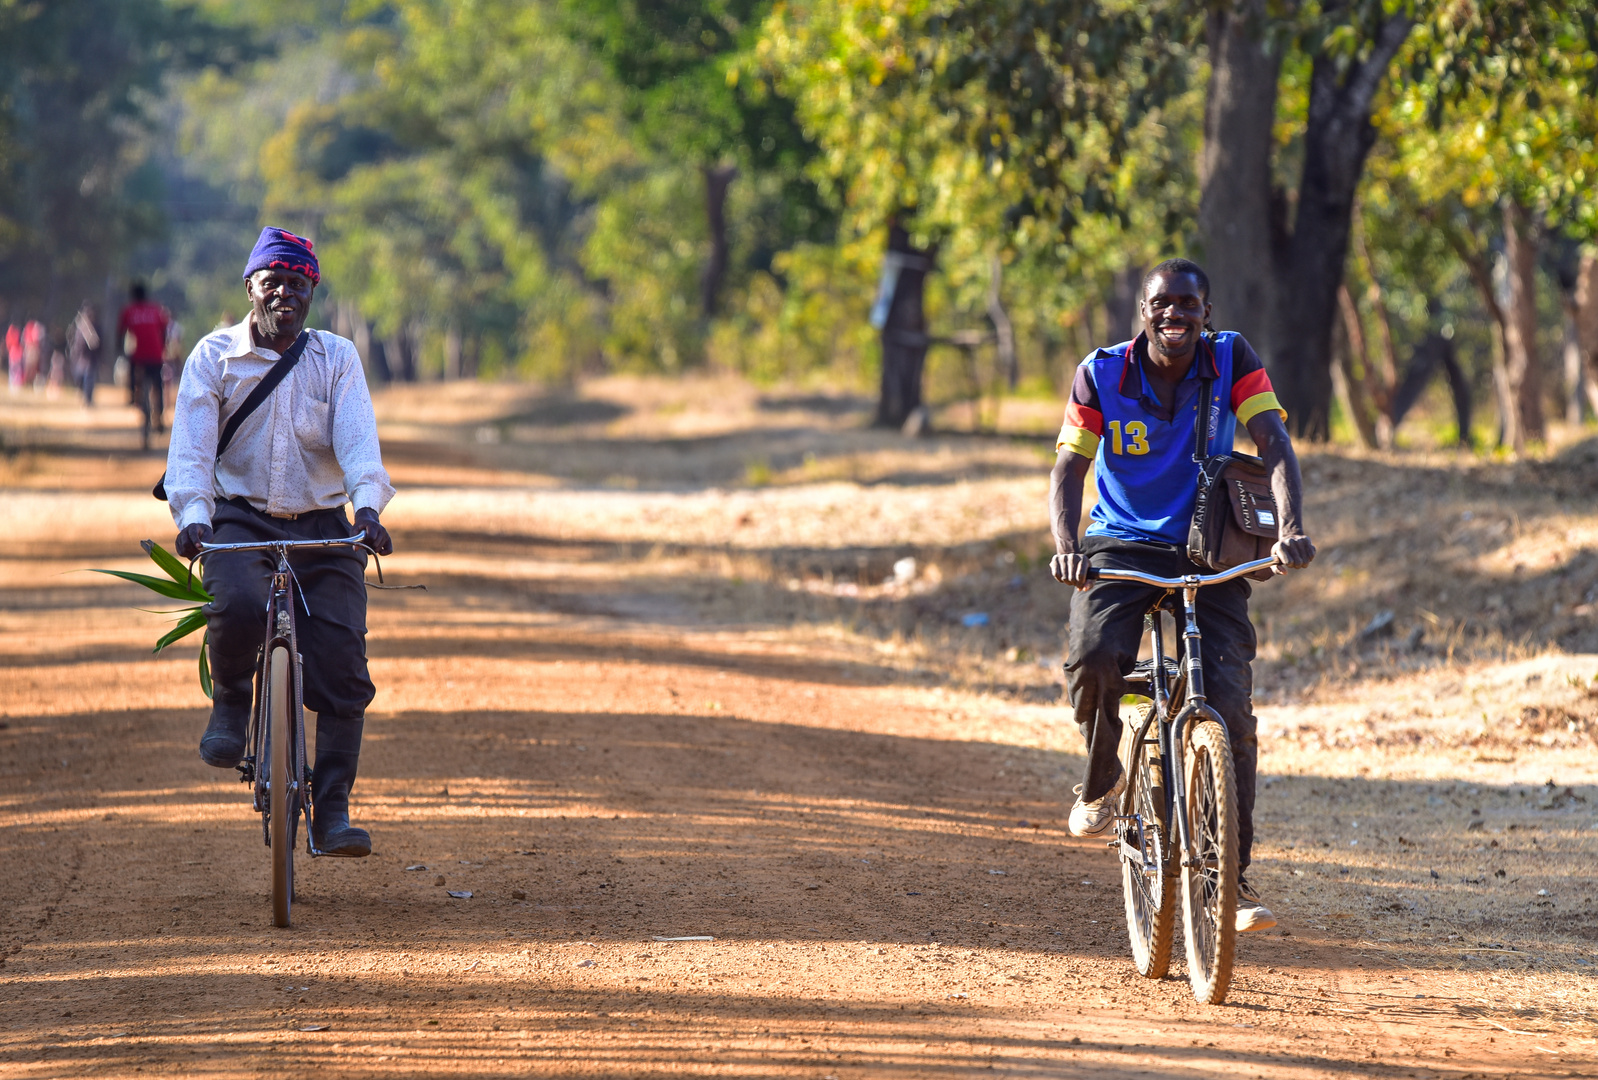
283, 806
1147, 877
1209, 865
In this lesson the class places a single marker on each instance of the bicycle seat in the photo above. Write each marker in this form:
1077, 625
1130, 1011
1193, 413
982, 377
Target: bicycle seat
1142, 673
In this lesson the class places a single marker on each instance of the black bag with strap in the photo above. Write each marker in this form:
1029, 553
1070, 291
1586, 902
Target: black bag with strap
1234, 518
262, 391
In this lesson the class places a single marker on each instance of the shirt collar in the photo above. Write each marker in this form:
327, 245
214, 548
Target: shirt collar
1132, 373
241, 343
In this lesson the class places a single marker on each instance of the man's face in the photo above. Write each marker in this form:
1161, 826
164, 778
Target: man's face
1174, 311
282, 300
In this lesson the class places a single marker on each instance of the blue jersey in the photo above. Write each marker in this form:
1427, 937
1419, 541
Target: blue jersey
1142, 452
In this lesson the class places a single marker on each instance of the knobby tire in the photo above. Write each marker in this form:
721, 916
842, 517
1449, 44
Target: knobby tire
1209, 871
280, 712
1150, 900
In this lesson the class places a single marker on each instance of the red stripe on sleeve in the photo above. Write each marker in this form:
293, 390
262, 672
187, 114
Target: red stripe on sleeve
1080, 416
1255, 382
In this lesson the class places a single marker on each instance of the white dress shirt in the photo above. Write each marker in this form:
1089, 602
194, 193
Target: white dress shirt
311, 445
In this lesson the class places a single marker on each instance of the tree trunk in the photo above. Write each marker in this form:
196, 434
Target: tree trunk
1586, 322
402, 355
1476, 265
1575, 374
717, 179
904, 333
1003, 330
1522, 364
1236, 203
1347, 383
1120, 307
1350, 334
1337, 138
452, 352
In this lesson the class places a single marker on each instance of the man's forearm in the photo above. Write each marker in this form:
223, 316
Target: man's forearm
1065, 500
1281, 464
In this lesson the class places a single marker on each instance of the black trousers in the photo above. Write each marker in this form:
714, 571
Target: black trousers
1106, 629
147, 392
332, 633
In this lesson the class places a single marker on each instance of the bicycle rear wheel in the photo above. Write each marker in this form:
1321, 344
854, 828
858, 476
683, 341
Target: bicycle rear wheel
1147, 877
284, 807
1209, 866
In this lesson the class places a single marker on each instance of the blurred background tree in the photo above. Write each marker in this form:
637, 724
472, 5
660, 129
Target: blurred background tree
1391, 195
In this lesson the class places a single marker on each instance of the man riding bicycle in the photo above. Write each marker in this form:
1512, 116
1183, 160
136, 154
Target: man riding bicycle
1132, 416
306, 450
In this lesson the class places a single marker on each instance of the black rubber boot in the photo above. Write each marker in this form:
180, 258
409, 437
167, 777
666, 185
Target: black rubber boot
338, 751
222, 744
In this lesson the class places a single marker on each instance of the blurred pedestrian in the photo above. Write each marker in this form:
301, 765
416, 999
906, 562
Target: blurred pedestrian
14, 356
34, 340
83, 348
145, 322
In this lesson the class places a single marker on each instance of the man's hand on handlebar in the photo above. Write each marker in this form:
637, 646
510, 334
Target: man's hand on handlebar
1293, 551
1070, 569
377, 537
190, 539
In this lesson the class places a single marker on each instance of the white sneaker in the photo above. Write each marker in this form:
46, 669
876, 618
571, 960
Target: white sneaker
1095, 818
1251, 914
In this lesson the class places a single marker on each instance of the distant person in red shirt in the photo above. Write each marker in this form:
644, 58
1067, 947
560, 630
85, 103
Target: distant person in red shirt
146, 323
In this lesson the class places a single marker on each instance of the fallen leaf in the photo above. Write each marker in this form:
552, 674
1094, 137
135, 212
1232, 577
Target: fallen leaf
461, 894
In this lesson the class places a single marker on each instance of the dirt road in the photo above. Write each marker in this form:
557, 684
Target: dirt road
612, 721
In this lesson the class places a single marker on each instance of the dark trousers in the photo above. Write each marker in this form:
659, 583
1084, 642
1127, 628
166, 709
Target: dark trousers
1106, 629
147, 392
332, 633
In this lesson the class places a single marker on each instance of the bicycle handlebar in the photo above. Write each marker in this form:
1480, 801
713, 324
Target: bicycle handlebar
1107, 573
358, 540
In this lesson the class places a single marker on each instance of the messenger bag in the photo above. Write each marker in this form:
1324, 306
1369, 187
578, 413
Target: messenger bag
1234, 518
262, 391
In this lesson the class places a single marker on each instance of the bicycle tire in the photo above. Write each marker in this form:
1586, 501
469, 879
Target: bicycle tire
279, 713
1150, 904
1209, 866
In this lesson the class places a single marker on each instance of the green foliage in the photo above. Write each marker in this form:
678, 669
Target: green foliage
179, 584
80, 81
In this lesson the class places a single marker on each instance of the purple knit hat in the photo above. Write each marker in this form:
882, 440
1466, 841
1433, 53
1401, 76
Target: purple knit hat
281, 249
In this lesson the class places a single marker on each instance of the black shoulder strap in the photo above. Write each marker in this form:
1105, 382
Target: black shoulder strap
260, 393
1201, 424
263, 390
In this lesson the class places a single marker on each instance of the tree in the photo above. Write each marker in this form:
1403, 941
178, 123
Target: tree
693, 101
79, 81
1494, 127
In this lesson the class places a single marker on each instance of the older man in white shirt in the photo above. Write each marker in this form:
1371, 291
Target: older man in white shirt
307, 450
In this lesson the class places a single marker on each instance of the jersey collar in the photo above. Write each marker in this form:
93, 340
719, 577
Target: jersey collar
1132, 381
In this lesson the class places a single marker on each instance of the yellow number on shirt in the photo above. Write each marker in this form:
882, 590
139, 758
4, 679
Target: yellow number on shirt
1139, 436
1136, 431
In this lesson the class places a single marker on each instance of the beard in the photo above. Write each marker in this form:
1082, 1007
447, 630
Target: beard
278, 324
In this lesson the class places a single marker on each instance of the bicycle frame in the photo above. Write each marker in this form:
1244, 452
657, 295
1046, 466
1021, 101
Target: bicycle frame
280, 633
1172, 730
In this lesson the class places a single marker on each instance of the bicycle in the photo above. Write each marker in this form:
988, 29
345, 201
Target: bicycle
1177, 759
275, 762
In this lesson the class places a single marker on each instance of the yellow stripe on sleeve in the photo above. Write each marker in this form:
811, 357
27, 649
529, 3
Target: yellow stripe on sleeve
1259, 403
1077, 440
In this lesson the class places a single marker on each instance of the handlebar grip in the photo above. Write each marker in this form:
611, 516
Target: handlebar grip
1093, 573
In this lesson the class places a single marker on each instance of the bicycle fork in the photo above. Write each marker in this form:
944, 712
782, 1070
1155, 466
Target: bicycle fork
1173, 736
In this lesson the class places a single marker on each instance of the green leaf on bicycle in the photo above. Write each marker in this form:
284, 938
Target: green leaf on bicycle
160, 585
194, 620
205, 665
175, 568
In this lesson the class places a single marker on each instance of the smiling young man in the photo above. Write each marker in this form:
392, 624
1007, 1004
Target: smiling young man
1132, 417
308, 449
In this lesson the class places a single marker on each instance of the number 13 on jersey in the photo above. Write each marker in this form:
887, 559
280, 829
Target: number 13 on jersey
1135, 441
